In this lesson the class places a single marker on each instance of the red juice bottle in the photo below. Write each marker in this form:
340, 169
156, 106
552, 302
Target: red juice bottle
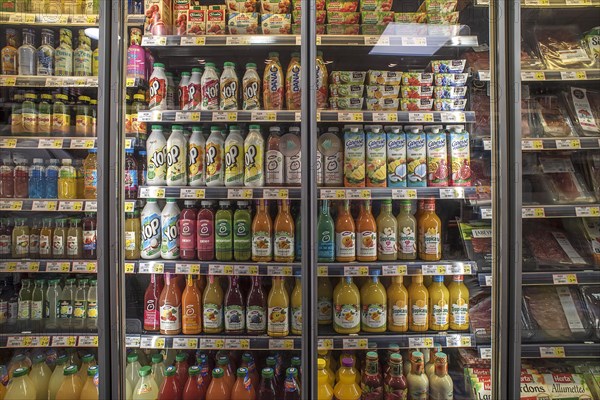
7, 180
187, 231
250, 365
194, 387
372, 383
291, 389
395, 386
205, 228
21, 179
89, 237
234, 310
182, 366
267, 385
256, 309
151, 309
170, 388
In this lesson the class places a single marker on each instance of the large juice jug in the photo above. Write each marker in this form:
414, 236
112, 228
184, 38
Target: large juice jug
251, 88
346, 388
439, 299
133, 368
325, 355
430, 365
267, 385
170, 387
325, 234
133, 230
284, 234
429, 233
146, 388
71, 386
158, 88
196, 168
273, 84
57, 377
397, 305
325, 301
346, 307
169, 221
218, 388
296, 308
234, 158
387, 231
459, 304
242, 389
212, 303
156, 146
158, 368
262, 228
293, 84
20, 386
170, 308
345, 235
254, 149
191, 308
418, 310
278, 303
407, 232
177, 157
374, 305
366, 233
234, 310
40, 376
215, 158
223, 232
376, 158
90, 387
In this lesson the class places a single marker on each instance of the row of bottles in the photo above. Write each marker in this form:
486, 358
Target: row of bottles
87, 7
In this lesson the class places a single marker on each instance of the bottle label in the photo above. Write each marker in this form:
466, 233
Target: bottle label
158, 93
214, 163
30, 121
273, 87
333, 173
187, 233
82, 60
399, 314
24, 310
58, 245
223, 238
61, 122
130, 241
319, 168
79, 309
210, 94
65, 310
157, 165
293, 87
419, 393
22, 247
176, 164
229, 93
274, 167
391, 393
366, 244
89, 240
92, 310
345, 244
151, 235
213, 316
242, 239
278, 320
326, 245
387, 242
234, 164
251, 88
261, 244
234, 318
293, 166
432, 243
191, 319
45, 61
195, 96
170, 237
460, 312
255, 319
170, 318
419, 313
205, 234
3, 311
297, 319
5, 244
373, 315
325, 307
284, 244
439, 313
72, 246
195, 164
253, 164
84, 123
151, 314
131, 180
407, 243
44, 123
34, 244
346, 316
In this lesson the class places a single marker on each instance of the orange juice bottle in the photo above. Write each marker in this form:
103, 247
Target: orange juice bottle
191, 310
284, 234
346, 307
345, 236
326, 357
90, 387
324, 301
366, 234
212, 306
439, 299
346, 388
429, 233
20, 386
296, 308
459, 304
242, 389
278, 303
397, 305
374, 305
418, 309
407, 232
71, 386
325, 391
218, 388
262, 229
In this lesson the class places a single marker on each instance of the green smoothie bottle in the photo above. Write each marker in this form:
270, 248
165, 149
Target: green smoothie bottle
223, 234
325, 234
242, 233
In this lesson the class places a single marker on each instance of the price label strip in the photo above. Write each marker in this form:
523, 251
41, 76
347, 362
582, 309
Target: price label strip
239, 194
237, 344
564, 279
220, 269
185, 343
404, 194
419, 342
193, 269
356, 271
587, 211
281, 344
325, 344
333, 194
533, 212
552, 352
192, 193
393, 270
209, 344
350, 344
279, 270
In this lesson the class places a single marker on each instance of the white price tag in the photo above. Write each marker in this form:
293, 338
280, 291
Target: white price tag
414, 41
419, 342
82, 143
350, 344
239, 194
593, 211
393, 270
356, 271
533, 76
182, 116
385, 117
237, 344
220, 269
259, 116
485, 353
564, 279
193, 269
192, 41
154, 41
485, 76
453, 117
58, 266
552, 352
377, 40
420, 117
573, 75
50, 144
192, 193
70, 206
64, 341
144, 116
533, 212
568, 144
87, 341
279, 270
14, 341
332, 194
325, 344
488, 280
297, 116
237, 41
245, 269
350, 117
486, 213
487, 144
281, 344
452, 193
185, 343
208, 344
91, 206
152, 342
224, 116
404, 194
132, 341
151, 268
358, 194
276, 194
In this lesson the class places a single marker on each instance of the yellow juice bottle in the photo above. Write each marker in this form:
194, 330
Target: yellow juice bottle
296, 305
40, 375
57, 377
346, 307
71, 386
20, 386
374, 305
326, 356
459, 304
347, 388
418, 309
325, 391
429, 233
439, 300
278, 303
324, 301
212, 306
397, 305
90, 387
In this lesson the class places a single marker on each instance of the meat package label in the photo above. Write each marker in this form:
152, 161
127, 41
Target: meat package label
568, 248
569, 308
583, 109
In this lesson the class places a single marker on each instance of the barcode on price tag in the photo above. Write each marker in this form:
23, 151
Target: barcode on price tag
281, 344
279, 270
185, 343
356, 271
237, 344
187, 268
488, 280
220, 269
393, 270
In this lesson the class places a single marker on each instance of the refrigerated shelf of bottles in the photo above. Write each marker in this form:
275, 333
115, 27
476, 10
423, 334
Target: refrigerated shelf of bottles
543, 144
48, 81
587, 277
53, 340
552, 211
567, 75
224, 193
37, 142
212, 268
213, 342
561, 350
396, 268
333, 193
46, 19
48, 205
54, 266
405, 340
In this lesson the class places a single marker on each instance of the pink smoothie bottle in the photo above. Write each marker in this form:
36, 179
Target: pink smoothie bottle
187, 231
136, 56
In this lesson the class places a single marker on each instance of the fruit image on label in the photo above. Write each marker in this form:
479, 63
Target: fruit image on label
213, 316
170, 318
255, 318
214, 166
345, 243
234, 318
278, 320
367, 244
400, 313
439, 313
325, 307
346, 315
373, 315
407, 240
432, 242
460, 312
151, 235
284, 244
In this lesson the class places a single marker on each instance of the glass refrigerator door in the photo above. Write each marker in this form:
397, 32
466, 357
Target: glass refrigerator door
403, 166
559, 132
52, 147
210, 194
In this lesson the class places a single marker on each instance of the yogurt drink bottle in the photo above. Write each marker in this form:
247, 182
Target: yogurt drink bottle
151, 232
170, 91
196, 158
234, 158
158, 88
210, 88
215, 159
169, 220
184, 91
156, 146
229, 88
177, 158
254, 148
251, 88
194, 90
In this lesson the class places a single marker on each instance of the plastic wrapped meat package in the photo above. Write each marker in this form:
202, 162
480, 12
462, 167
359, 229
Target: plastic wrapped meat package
560, 47
587, 233
477, 239
550, 246
480, 104
480, 313
584, 108
592, 172
529, 59
477, 60
552, 117
591, 296
527, 117
561, 183
559, 312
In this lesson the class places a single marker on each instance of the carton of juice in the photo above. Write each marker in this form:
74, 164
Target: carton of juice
354, 158
180, 16
437, 158
416, 158
460, 158
376, 158
158, 17
396, 158
215, 20
196, 21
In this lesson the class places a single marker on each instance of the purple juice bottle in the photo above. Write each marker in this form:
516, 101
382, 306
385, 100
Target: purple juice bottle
136, 56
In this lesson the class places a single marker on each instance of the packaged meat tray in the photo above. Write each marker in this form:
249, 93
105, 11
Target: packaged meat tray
592, 172
477, 240
591, 229
243, 23
342, 29
529, 58
552, 117
550, 246
584, 108
276, 24
561, 183
480, 314
561, 47
275, 6
559, 312
591, 296
243, 6
342, 6
342, 18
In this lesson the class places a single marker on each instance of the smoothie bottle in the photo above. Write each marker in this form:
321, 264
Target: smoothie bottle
191, 308
196, 158
262, 229
194, 89
274, 174
273, 84
156, 146
209, 86
177, 157
169, 221
346, 388
136, 57
418, 384
223, 232
416, 158
151, 303
293, 84
131, 175
183, 90
205, 227
372, 381
429, 233
354, 158
366, 233
330, 147
212, 304
234, 310
234, 158
441, 386
395, 385
325, 391
418, 310
187, 231
256, 308
170, 308
254, 148
326, 234
158, 88
387, 230
133, 231
291, 149
296, 308
278, 313
229, 88
459, 304
345, 236
346, 307
242, 232
439, 299
169, 389
194, 388
374, 305
325, 301
437, 158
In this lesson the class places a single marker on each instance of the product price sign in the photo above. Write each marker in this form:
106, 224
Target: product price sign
533, 76
87, 341
14, 341
297, 116
593, 211
533, 212
82, 143
40, 341
260, 116
222, 116
404, 194
239, 194
276, 194
385, 117
433, 270
356, 271
552, 352
129, 268
532, 145
237, 41
64, 341
358, 194
50, 144
192, 193
485, 353
488, 280
454, 269
377, 40
10, 266
573, 75
58, 266
70, 206
8, 81
298, 40
393, 270
129, 206
237, 344
28, 266
279, 270
182, 116
156, 192
220, 269
245, 269
414, 41
185, 343
152, 342
152, 268
132, 341
209, 344
145, 116
452, 193
564, 279
323, 271
350, 117
130, 82
8, 143
420, 117
12, 205
350, 344
568, 144
333, 194
485, 76
154, 41
486, 213
281, 344
325, 344
578, 2
418, 342
452, 117
192, 41
193, 269
91, 206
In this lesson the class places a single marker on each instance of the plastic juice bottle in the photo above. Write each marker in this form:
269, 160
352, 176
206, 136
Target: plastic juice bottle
418, 384
183, 89
273, 84
437, 158
45, 115
133, 368
346, 388
366, 234
7, 180
215, 158
169, 221
296, 308
29, 114
376, 156
229, 88
387, 231
322, 81
136, 57
59, 239
27, 54
36, 183
192, 309
293, 84
187, 231
131, 179
254, 148
9, 53
266, 389
57, 377
25, 295
330, 146
21, 179
460, 158
325, 391
18, 361
416, 158
92, 305
429, 233
278, 303
291, 149
396, 158
158, 88
83, 117
354, 158
90, 387
223, 233
146, 388
234, 159
51, 177
209, 85
196, 158
177, 157
459, 304
206, 232
284, 234
16, 117
234, 310
74, 239
274, 164
395, 383
374, 305
251, 88
242, 388
169, 389
397, 306
439, 299
79, 177
345, 236
262, 229
156, 146
87, 361
61, 118
326, 234
407, 232
158, 369
40, 376
21, 386
37, 300
170, 308
194, 89
82, 56
212, 305
256, 308
346, 307
325, 301
90, 173
372, 381
242, 236
71, 386
218, 388
20, 239
133, 230
67, 185
418, 310
441, 386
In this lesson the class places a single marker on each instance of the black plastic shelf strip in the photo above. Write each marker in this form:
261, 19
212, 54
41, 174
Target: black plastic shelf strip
560, 350
48, 340
568, 75
48, 205
547, 144
21, 142
363, 341
211, 268
338, 193
553, 211
549, 278
48, 81
213, 342
222, 192
54, 266
396, 268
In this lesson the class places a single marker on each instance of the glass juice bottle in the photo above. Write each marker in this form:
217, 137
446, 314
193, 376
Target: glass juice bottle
20, 239
44, 127
61, 116
296, 308
262, 229
170, 308
212, 306
234, 310
429, 233
284, 234
74, 239
459, 304
191, 308
45, 54
418, 384
346, 307
278, 313
82, 56
59, 239
205, 228
418, 310
256, 308
92, 305
63, 54
67, 298
9, 53
439, 299
387, 230
374, 305
27, 54
407, 232
366, 234
29, 114
151, 300
345, 236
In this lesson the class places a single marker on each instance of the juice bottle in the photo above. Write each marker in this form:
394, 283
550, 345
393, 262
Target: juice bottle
296, 308
37, 300
156, 146
158, 88
234, 158
67, 300
242, 236
194, 89
209, 86
151, 301
251, 88
196, 158
169, 221
205, 227
177, 157
67, 186
92, 305
59, 239
223, 233
293, 84
396, 158
256, 308
346, 388
291, 385
74, 239
79, 178
187, 231
82, 56
218, 388
278, 303
51, 176
325, 234
374, 305
429, 233
225, 365
192, 309
395, 385
45, 115
61, 118
21, 179
212, 306
131, 178
266, 390
40, 376
459, 304
325, 391
83, 117
322, 81
291, 149
242, 388
354, 158
430, 365
133, 368
261, 234
397, 305
9, 53
418, 384
366, 234
345, 236
416, 158
437, 158
158, 369
183, 89
407, 232
273, 84
254, 149
132, 235
52, 303
376, 158
234, 310
57, 377
25, 295
284, 234
169, 388
194, 388
90, 387
20, 239
16, 117
274, 174
20, 386
229, 87
181, 366
439, 298
71, 386
460, 157
7, 179
136, 57
346, 307
146, 388
29, 114
170, 308
215, 158
324, 301
418, 310
36, 184
248, 362
372, 381
387, 231
330, 146
441, 386
87, 361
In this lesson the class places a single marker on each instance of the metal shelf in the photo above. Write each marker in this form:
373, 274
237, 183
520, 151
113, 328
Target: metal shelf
48, 205
562, 350
391, 268
550, 75
544, 144
211, 268
53, 266
48, 81
407, 340
222, 192
552, 211
52, 340
40, 142
334, 193
43, 19
213, 342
